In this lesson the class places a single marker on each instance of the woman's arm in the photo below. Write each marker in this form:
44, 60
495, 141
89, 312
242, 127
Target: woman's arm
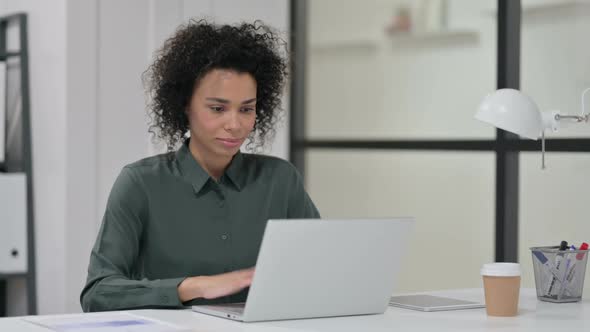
111, 284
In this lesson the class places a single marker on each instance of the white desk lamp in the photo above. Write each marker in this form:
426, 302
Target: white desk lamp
513, 111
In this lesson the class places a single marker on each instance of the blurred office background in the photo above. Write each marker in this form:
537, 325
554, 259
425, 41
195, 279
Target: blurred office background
379, 91
386, 94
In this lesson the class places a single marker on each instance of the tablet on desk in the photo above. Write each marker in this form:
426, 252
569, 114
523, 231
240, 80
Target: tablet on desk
432, 303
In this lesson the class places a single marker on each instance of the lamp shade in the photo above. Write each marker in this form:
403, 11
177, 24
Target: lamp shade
513, 111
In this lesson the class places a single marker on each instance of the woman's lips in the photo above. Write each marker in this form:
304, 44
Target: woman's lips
230, 142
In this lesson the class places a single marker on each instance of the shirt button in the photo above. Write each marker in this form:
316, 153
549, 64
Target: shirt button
224, 237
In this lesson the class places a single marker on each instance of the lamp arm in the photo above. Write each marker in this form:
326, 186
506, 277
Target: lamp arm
583, 104
576, 118
543, 150
551, 121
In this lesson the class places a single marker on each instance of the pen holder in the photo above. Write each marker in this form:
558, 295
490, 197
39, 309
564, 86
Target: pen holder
559, 274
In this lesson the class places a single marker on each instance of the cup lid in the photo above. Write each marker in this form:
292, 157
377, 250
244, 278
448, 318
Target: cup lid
501, 270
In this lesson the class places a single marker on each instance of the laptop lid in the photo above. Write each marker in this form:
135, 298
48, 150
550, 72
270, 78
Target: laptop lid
319, 268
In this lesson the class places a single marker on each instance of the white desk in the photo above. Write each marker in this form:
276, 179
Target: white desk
533, 316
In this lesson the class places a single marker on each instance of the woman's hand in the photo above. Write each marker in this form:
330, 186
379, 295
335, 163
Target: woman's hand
211, 287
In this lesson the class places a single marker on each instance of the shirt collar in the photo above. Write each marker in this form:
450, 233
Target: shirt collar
236, 172
190, 168
198, 177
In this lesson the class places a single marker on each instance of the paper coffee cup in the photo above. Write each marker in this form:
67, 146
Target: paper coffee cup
501, 283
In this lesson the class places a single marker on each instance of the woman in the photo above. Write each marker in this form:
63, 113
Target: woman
185, 227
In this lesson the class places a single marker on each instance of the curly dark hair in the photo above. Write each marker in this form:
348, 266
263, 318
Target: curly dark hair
198, 47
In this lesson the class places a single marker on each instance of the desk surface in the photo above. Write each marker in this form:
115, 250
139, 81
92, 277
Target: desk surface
533, 316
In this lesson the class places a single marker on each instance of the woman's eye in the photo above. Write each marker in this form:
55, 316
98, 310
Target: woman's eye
248, 109
216, 108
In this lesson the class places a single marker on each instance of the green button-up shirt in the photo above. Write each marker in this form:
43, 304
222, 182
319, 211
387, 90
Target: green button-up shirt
166, 219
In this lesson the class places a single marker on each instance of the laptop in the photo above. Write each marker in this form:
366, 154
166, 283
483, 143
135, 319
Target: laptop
310, 268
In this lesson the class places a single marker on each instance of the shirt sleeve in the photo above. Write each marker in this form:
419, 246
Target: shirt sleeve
110, 284
300, 204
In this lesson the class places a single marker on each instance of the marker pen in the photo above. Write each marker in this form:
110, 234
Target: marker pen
570, 276
563, 286
558, 260
545, 262
584, 246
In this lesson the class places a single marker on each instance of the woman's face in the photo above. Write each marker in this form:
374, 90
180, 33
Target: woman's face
222, 112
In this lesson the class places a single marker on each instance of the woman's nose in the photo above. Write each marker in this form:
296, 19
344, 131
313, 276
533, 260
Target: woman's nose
232, 122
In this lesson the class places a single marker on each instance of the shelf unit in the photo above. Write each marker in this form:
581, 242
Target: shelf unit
438, 37
409, 39
359, 44
18, 157
549, 7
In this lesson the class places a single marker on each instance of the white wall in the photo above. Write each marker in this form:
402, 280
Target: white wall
82, 144
121, 118
89, 120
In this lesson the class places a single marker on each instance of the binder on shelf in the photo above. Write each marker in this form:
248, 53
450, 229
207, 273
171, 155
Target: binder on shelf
2, 109
13, 223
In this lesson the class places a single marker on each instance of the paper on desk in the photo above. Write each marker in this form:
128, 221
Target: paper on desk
107, 322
